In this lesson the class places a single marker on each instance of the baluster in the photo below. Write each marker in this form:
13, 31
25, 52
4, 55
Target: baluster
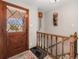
56, 47
51, 44
44, 41
37, 40
47, 42
41, 40
62, 48
71, 50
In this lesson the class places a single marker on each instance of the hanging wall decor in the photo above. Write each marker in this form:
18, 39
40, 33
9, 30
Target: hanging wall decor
55, 18
40, 16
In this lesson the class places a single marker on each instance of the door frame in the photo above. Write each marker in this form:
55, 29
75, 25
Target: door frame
27, 30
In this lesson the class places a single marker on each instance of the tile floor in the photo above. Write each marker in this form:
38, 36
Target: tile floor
27, 55
19, 56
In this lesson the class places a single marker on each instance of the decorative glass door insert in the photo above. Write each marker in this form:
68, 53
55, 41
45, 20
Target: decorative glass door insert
15, 19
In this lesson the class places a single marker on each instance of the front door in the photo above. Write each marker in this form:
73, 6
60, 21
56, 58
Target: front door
17, 30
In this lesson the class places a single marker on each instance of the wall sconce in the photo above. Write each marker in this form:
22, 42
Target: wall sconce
55, 18
40, 16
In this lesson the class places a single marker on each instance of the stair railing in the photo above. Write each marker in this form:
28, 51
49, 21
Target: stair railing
56, 45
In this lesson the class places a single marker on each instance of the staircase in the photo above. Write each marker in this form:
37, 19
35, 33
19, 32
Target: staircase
57, 46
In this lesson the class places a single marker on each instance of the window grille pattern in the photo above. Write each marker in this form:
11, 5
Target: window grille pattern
15, 19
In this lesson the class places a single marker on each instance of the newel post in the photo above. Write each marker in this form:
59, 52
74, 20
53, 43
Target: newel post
72, 39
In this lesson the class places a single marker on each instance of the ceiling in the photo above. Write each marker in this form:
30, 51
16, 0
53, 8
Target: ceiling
40, 4
44, 4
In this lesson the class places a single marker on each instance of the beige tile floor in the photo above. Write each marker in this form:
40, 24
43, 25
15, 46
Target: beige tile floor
24, 55
18, 56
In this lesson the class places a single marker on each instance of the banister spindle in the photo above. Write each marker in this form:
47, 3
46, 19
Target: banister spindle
56, 47
62, 48
47, 42
37, 39
71, 50
41, 40
44, 41
51, 44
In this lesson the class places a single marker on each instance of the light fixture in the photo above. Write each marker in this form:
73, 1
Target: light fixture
57, 0
53, 1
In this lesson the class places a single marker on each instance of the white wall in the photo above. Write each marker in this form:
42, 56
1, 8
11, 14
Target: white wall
67, 19
33, 26
42, 21
33, 20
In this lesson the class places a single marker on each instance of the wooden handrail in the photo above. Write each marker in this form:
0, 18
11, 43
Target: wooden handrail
53, 34
47, 37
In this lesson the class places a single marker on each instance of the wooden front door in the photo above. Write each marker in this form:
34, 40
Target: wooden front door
17, 29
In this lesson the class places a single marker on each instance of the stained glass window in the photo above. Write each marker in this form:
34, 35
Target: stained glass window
15, 19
